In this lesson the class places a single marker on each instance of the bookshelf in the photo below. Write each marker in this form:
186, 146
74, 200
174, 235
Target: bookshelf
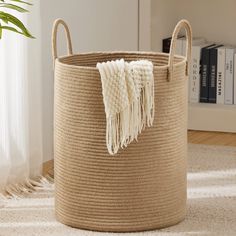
213, 20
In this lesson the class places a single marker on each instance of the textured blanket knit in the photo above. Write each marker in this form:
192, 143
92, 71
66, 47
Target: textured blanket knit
128, 96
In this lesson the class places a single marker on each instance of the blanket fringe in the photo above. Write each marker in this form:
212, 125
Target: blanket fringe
125, 126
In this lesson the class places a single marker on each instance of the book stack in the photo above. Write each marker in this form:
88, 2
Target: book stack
212, 77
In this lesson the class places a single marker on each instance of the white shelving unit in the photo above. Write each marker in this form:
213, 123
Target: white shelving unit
212, 117
214, 20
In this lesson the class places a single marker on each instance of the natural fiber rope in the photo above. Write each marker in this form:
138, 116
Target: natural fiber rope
54, 38
181, 24
143, 186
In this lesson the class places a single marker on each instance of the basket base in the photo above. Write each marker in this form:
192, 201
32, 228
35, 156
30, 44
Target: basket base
125, 228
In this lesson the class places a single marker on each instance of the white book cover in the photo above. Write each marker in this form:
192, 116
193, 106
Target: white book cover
194, 75
191, 83
220, 79
229, 65
179, 46
235, 78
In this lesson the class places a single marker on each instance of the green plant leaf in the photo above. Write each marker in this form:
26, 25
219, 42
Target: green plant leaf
19, 1
6, 17
13, 6
10, 28
0, 31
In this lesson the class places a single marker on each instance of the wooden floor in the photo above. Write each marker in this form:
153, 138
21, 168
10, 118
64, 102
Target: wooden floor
197, 137
48, 168
212, 138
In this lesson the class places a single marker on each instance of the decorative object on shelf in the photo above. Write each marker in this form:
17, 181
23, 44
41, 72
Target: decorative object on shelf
142, 187
10, 22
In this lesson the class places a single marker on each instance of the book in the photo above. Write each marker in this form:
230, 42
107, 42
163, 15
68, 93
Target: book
204, 72
194, 73
195, 41
179, 46
212, 73
167, 42
220, 84
235, 78
166, 45
229, 74
194, 81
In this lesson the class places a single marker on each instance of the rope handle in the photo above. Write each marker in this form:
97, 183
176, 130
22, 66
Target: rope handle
57, 22
188, 31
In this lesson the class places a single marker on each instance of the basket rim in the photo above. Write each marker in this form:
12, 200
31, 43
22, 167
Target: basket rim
58, 59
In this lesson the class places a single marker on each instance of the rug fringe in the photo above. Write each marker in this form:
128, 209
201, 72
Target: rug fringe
24, 188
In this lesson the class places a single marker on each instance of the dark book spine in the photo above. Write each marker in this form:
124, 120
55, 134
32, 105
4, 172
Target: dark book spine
166, 45
212, 75
204, 75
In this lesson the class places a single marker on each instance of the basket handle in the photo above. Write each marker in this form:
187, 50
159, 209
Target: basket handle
181, 24
54, 38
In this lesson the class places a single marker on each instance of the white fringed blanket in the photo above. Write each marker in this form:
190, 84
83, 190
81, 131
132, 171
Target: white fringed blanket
128, 96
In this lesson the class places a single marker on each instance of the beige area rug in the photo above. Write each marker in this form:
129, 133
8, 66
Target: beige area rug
211, 202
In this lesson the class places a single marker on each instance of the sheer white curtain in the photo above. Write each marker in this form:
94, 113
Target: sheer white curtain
20, 103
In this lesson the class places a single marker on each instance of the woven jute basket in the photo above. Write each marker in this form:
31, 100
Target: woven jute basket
142, 187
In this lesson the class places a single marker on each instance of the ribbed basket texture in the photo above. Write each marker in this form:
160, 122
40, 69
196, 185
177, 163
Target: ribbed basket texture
143, 187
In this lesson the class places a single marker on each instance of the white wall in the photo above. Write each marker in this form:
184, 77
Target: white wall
163, 20
213, 19
94, 25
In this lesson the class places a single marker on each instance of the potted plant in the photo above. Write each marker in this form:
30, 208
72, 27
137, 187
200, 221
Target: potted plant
10, 22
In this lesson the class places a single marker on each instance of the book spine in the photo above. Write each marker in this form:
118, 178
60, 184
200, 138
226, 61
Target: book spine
204, 75
212, 75
234, 78
194, 77
220, 76
166, 45
229, 75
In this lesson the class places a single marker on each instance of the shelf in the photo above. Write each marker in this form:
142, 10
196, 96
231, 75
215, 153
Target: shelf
212, 117
164, 16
